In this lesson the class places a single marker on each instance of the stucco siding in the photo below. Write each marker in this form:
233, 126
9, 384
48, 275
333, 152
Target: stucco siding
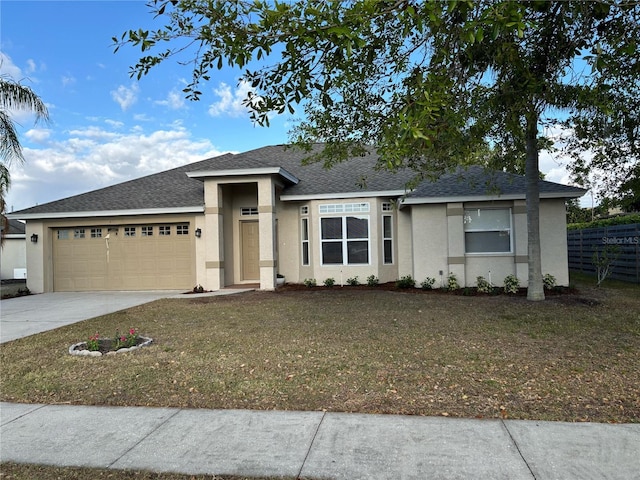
430, 235
553, 240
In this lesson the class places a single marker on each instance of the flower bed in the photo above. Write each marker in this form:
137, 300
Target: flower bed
97, 346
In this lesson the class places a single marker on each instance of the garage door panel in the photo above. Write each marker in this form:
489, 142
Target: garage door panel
124, 262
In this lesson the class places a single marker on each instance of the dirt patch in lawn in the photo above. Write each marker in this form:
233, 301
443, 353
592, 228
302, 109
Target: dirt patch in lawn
573, 357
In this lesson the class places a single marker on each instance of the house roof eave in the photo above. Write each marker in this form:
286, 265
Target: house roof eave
243, 172
342, 195
485, 198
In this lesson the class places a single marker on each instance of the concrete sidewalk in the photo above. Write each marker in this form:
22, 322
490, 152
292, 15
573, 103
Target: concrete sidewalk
316, 444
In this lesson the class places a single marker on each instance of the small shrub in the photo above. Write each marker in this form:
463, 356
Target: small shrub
353, 281
406, 282
549, 281
484, 285
427, 283
511, 284
372, 280
452, 282
603, 261
467, 292
93, 344
329, 282
310, 282
198, 289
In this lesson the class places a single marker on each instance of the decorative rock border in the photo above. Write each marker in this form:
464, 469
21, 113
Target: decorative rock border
88, 353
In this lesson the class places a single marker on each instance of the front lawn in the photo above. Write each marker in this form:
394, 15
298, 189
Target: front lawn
573, 357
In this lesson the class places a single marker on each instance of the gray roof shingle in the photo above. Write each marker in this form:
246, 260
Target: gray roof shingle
476, 181
174, 189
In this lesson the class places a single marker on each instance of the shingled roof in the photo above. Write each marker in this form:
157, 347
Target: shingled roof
478, 182
175, 190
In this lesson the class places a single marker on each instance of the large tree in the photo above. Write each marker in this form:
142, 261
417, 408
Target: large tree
429, 83
13, 97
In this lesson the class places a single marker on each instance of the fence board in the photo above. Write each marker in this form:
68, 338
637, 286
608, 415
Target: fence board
583, 243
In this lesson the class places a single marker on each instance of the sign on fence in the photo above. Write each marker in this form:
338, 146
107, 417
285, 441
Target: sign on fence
583, 243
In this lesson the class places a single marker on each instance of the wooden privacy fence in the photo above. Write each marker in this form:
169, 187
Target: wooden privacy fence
583, 243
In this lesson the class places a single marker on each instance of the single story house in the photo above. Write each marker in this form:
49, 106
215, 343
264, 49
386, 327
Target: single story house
245, 218
13, 253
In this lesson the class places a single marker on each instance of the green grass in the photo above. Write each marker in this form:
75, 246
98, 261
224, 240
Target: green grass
572, 357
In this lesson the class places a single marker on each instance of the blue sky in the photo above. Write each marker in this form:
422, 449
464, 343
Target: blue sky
105, 127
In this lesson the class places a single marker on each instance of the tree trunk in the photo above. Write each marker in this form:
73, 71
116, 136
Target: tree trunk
535, 289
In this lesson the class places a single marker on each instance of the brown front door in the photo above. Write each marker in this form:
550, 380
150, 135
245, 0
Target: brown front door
250, 233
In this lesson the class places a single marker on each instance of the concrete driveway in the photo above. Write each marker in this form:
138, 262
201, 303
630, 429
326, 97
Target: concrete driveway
24, 316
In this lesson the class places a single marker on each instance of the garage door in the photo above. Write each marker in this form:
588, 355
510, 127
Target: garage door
129, 257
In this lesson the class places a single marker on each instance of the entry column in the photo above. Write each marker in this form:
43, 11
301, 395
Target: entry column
266, 219
214, 235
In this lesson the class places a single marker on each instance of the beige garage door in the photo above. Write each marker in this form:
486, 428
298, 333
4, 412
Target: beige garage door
130, 257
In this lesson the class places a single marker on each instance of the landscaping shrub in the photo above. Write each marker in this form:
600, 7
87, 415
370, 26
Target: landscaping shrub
427, 283
406, 282
511, 284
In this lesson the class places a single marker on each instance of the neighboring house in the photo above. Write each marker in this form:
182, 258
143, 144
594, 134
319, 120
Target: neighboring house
13, 255
242, 219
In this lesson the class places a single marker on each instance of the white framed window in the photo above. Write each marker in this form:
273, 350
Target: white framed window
387, 207
304, 210
304, 236
129, 231
487, 230
387, 239
344, 208
344, 240
63, 234
146, 231
78, 233
96, 233
164, 230
246, 211
182, 229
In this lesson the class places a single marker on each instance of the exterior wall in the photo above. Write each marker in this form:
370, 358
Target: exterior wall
290, 243
553, 240
430, 242
438, 239
39, 260
405, 249
13, 255
494, 267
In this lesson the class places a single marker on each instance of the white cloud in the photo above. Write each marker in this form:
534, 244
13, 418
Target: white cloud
114, 123
38, 135
174, 100
31, 66
68, 80
231, 102
7, 67
126, 97
93, 158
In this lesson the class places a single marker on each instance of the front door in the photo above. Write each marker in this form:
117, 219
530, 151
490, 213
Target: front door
250, 233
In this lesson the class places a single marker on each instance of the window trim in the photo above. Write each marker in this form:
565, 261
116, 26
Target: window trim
304, 242
480, 230
387, 239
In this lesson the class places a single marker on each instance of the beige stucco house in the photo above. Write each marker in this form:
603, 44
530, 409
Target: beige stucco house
243, 219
